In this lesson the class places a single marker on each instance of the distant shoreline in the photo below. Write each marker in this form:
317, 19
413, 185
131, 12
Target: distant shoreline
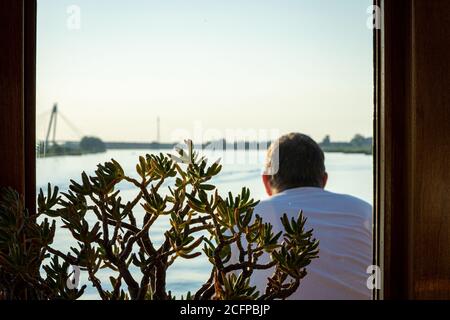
330, 148
352, 150
71, 148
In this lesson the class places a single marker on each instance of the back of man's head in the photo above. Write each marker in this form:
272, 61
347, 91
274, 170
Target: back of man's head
297, 161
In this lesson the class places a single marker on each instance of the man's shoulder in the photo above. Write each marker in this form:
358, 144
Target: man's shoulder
350, 199
350, 203
314, 193
319, 199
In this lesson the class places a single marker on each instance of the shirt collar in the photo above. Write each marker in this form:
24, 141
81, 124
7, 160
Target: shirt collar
300, 190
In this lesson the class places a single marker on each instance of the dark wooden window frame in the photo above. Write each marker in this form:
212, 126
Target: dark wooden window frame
403, 52
18, 97
412, 149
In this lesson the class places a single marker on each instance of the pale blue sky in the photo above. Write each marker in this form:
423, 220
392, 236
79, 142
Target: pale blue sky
291, 65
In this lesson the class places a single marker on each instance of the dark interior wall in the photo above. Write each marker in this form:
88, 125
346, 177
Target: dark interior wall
18, 97
415, 161
12, 166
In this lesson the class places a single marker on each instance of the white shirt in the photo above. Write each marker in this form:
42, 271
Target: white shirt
343, 225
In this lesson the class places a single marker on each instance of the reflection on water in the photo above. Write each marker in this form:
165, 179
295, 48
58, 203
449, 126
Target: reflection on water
348, 173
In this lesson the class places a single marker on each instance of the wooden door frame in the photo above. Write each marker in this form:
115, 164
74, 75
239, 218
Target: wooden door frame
412, 134
18, 97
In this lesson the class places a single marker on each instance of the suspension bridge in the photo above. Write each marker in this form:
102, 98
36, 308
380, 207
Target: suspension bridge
80, 144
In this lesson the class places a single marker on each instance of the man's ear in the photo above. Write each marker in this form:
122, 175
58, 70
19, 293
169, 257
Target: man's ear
324, 180
266, 182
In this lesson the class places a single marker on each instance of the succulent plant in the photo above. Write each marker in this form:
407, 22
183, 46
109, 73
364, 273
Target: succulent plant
202, 222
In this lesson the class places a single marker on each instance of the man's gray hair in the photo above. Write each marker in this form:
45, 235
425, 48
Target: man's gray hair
299, 162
